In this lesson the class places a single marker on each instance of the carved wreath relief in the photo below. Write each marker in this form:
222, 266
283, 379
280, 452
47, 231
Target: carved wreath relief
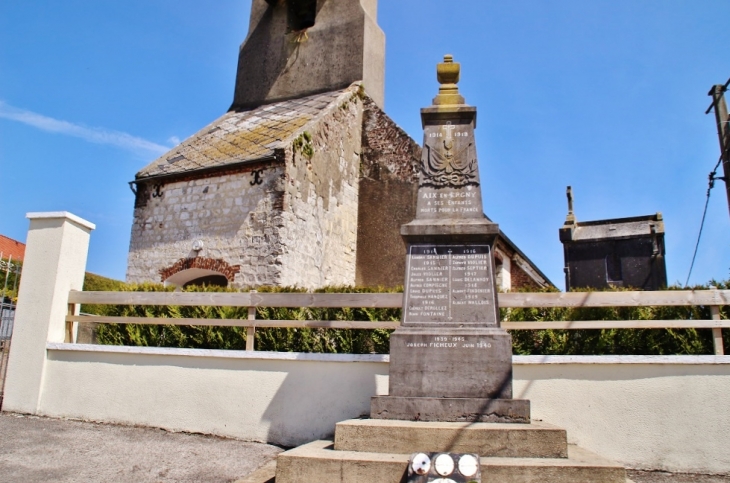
444, 167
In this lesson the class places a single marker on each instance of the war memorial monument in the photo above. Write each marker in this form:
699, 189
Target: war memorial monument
449, 416
450, 360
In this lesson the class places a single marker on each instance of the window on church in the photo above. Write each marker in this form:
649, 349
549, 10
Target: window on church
301, 14
614, 275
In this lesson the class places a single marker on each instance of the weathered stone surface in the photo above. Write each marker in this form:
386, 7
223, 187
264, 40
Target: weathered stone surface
450, 285
536, 440
247, 188
288, 221
390, 162
449, 182
451, 409
441, 362
283, 59
450, 361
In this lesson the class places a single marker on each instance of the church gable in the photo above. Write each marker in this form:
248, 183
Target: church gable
244, 136
286, 214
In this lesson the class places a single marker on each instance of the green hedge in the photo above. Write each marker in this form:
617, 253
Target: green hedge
534, 342
616, 341
267, 339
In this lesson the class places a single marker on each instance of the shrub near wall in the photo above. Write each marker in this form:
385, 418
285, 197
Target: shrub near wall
525, 342
267, 339
616, 341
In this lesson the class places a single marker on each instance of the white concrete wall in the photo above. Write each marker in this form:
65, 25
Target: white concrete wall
653, 412
283, 398
646, 412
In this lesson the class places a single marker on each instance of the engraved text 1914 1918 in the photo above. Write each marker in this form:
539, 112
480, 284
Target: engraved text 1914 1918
449, 283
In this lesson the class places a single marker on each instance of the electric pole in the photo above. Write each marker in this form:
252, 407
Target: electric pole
723, 130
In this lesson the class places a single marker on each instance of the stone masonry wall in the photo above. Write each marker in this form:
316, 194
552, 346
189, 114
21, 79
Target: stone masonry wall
388, 189
522, 280
289, 222
236, 218
319, 233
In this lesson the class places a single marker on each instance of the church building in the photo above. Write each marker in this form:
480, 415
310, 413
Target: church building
305, 181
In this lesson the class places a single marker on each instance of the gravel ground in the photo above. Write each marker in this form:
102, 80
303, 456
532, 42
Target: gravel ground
34, 449
662, 477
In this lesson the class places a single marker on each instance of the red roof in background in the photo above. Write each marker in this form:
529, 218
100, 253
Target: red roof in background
11, 248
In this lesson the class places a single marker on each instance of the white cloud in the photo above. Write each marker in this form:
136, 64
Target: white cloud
91, 134
174, 140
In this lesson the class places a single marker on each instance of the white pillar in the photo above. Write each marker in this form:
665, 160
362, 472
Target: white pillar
55, 262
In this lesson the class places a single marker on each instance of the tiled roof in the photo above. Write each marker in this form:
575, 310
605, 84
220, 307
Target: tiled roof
240, 136
11, 248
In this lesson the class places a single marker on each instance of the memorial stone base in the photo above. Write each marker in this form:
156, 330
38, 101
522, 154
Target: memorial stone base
451, 374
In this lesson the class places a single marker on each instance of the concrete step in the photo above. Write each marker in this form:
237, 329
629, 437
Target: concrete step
264, 474
509, 440
318, 461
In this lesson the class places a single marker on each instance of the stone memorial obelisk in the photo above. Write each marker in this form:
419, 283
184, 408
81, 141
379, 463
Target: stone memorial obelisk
450, 360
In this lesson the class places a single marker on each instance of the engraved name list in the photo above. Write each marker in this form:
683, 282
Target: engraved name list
449, 283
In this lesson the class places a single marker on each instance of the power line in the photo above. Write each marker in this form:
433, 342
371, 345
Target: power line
711, 185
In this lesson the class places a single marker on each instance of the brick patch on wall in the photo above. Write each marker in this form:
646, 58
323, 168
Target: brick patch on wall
213, 264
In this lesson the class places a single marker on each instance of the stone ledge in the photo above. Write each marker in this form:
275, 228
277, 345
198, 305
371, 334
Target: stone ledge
216, 353
450, 409
383, 358
534, 440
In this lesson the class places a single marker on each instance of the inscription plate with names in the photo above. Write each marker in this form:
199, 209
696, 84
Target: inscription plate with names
450, 285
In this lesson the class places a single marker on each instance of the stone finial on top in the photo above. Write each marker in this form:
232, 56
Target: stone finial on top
447, 74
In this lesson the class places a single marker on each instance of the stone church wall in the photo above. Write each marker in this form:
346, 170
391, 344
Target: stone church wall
321, 201
291, 222
388, 189
235, 220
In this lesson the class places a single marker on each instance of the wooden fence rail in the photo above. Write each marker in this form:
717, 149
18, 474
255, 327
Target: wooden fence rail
712, 298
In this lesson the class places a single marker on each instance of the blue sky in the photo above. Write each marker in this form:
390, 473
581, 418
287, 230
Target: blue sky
606, 96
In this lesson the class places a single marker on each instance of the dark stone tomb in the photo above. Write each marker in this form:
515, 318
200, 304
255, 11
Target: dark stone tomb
450, 360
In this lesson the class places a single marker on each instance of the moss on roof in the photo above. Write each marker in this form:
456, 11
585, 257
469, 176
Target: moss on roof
249, 135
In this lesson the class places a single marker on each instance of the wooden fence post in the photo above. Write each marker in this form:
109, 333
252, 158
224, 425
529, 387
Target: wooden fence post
70, 325
717, 332
251, 331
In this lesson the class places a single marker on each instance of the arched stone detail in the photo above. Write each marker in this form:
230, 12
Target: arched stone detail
203, 263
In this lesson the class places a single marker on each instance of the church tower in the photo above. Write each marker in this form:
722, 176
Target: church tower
298, 48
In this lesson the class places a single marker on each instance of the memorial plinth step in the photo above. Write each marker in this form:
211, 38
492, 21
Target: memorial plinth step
536, 440
319, 461
450, 409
